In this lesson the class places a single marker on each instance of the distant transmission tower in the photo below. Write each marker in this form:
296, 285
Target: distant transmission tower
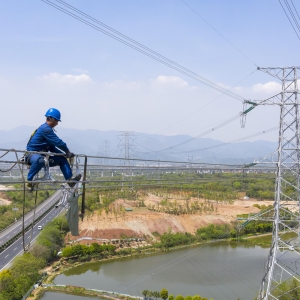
283, 264
127, 146
104, 151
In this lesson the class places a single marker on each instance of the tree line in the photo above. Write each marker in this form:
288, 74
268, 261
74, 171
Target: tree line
164, 294
220, 187
25, 269
12, 212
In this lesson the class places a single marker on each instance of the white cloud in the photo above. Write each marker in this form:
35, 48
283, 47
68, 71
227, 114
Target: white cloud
170, 81
269, 87
69, 79
163, 104
227, 87
161, 82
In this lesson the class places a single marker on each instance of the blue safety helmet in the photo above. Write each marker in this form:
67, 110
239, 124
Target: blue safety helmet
53, 113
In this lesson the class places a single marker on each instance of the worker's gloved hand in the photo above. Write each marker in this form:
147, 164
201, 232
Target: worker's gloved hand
70, 154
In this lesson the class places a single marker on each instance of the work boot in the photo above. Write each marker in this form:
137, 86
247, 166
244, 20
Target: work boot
74, 180
31, 186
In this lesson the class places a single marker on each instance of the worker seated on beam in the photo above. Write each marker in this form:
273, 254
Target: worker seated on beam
44, 139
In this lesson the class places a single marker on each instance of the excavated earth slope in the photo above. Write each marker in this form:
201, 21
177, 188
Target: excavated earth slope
142, 222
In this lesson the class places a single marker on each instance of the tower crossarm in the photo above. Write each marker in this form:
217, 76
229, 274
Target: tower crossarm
279, 72
277, 99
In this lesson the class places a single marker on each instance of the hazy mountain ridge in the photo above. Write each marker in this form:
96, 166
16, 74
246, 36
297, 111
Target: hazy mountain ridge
89, 142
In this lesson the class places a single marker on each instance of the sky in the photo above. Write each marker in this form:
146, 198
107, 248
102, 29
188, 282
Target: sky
49, 59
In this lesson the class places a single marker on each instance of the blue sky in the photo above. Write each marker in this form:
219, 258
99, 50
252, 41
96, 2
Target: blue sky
48, 59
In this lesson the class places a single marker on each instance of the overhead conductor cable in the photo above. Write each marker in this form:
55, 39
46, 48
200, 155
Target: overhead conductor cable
84, 18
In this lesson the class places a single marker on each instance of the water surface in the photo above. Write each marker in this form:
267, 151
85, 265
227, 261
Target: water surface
61, 296
219, 271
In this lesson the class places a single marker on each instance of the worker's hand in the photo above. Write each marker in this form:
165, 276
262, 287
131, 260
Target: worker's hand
70, 154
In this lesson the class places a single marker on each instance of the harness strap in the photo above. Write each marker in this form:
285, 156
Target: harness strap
28, 156
32, 135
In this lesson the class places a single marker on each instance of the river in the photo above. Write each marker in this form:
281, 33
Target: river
220, 271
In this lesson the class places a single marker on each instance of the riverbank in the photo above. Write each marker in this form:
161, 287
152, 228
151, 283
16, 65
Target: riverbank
214, 271
80, 291
63, 265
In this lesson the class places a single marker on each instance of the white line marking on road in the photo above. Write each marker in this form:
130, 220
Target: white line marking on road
6, 255
15, 248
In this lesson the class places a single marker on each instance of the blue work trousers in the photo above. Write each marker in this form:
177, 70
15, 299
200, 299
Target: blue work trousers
37, 162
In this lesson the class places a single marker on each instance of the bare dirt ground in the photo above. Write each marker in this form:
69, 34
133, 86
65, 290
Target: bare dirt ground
142, 222
3, 198
3, 187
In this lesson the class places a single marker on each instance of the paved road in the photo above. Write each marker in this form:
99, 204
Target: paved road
16, 248
14, 229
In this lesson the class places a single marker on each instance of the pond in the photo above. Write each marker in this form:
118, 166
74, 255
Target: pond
61, 296
219, 271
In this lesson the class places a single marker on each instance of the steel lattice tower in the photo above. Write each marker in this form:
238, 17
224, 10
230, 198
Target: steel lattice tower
105, 151
127, 145
282, 273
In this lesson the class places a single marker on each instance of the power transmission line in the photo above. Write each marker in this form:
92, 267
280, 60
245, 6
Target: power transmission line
219, 33
194, 112
292, 14
115, 158
84, 18
295, 9
220, 125
233, 141
289, 20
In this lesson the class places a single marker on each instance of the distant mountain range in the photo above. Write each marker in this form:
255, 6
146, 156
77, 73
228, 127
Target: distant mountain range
147, 146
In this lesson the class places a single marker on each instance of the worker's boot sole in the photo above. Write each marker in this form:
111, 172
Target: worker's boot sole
31, 186
74, 180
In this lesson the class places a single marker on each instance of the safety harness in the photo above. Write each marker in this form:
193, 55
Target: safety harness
27, 156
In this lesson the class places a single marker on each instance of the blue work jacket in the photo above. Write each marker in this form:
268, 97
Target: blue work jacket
44, 140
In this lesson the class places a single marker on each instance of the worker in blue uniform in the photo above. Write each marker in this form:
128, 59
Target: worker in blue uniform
44, 139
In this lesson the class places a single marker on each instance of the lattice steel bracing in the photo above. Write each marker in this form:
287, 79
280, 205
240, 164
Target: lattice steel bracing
127, 146
282, 273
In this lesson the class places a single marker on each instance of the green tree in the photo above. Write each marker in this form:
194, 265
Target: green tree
7, 286
164, 294
179, 297
28, 265
171, 297
197, 297
67, 251
156, 294
237, 185
61, 223
51, 238
188, 298
95, 248
40, 251
25, 270
145, 293
150, 294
